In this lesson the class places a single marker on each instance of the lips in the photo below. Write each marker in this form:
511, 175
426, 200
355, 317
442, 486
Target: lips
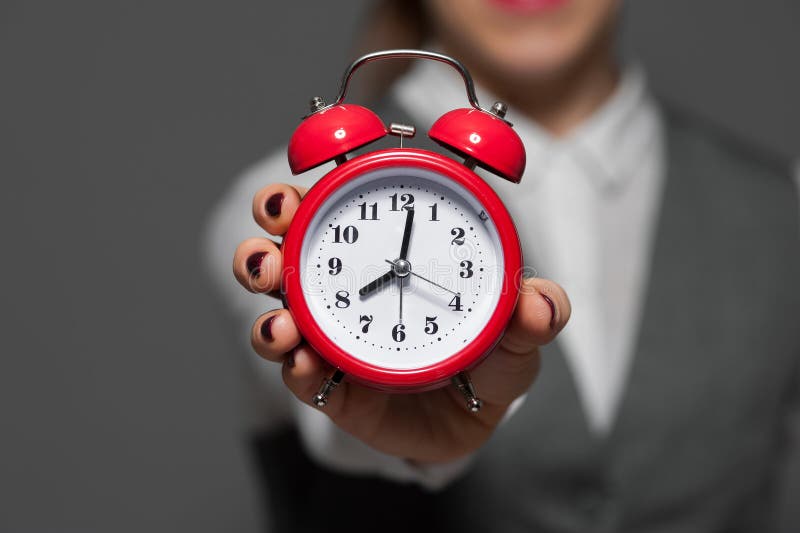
527, 6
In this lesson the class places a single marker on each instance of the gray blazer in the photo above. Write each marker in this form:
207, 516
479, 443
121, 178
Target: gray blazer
707, 436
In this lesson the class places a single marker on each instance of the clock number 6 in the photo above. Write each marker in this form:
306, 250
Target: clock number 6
342, 299
398, 334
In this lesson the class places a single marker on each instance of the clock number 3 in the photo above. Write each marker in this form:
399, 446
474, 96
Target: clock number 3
467, 269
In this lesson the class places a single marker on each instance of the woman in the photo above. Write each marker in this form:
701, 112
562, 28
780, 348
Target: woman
668, 404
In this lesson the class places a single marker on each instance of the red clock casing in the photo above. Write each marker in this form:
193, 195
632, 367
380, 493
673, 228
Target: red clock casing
388, 379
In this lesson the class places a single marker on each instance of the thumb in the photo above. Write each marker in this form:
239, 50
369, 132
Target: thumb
542, 311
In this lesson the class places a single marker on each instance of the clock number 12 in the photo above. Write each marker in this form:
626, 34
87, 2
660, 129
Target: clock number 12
407, 199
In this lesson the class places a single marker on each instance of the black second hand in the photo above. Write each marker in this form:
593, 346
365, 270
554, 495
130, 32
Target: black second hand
401, 299
426, 279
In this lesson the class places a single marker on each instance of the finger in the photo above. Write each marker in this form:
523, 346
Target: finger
274, 206
274, 334
257, 265
353, 407
303, 373
542, 311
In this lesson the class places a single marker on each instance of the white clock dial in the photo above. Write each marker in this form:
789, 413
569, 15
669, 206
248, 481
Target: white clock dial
435, 302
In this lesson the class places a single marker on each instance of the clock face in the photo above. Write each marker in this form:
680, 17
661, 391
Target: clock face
395, 306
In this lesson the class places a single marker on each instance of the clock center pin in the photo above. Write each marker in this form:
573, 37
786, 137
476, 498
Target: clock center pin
401, 267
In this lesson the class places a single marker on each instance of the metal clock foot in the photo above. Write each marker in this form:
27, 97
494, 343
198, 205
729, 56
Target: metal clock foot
467, 389
320, 399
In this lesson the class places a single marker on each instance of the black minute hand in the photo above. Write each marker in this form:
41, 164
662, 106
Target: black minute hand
407, 234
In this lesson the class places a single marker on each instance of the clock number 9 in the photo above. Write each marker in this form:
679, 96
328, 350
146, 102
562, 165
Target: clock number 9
467, 272
398, 334
335, 265
342, 299
407, 199
431, 326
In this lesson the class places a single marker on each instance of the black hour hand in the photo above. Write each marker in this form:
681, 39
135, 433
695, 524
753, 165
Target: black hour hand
376, 283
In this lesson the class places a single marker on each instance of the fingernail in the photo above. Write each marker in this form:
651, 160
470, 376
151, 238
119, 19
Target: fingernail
266, 328
254, 263
274, 204
552, 311
290, 358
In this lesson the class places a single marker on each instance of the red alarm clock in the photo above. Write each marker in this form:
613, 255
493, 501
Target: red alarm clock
402, 266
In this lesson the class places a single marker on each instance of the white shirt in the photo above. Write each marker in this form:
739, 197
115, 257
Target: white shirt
585, 211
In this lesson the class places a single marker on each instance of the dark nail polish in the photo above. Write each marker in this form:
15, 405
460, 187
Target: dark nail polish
552, 311
254, 263
266, 328
274, 204
290, 358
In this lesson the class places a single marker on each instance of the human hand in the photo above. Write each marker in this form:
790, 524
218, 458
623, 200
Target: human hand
427, 427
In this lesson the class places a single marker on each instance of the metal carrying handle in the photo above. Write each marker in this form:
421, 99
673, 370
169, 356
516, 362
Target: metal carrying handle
410, 54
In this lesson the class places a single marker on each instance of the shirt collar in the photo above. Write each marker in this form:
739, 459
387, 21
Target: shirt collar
608, 144
616, 136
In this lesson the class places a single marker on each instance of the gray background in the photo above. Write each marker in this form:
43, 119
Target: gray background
120, 123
